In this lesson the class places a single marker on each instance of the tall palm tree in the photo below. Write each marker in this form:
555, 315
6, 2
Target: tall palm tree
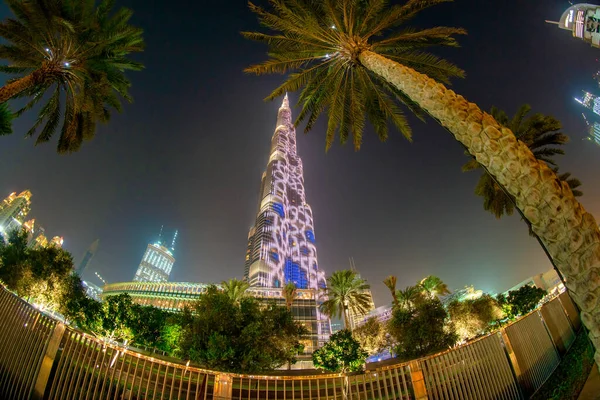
345, 293
541, 133
352, 59
390, 282
410, 296
289, 294
235, 289
73, 51
433, 286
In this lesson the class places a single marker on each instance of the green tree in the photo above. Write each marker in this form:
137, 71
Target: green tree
541, 133
14, 258
434, 286
421, 330
235, 289
289, 294
342, 353
390, 283
247, 337
372, 336
345, 292
521, 301
73, 51
410, 297
116, 317
473, 317
357, 61
77, 308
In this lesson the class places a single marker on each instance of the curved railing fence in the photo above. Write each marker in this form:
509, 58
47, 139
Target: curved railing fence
41, 358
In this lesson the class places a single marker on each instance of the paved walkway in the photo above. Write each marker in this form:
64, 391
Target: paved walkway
591, 389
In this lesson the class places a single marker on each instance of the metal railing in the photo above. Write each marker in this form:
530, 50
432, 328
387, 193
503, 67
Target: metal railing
41, 358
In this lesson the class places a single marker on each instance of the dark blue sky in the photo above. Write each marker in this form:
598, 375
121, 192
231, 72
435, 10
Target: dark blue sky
189, 153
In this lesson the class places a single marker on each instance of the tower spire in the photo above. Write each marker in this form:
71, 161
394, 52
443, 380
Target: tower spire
285, 103
173, 242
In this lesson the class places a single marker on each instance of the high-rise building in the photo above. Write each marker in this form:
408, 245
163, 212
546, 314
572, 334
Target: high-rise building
583, 20
87, 257
281, 244
594, 133
590, 101
157, 262
13, 210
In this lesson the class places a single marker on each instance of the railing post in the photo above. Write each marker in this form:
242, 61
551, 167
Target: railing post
223, 386
418, 381
50, 355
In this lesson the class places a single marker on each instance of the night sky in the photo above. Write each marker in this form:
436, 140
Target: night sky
190, 151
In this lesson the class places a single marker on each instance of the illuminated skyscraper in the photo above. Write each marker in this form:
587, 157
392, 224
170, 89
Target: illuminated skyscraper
593, 131
281, 244
157, 262
583, 20
13, 210
590, 101
87, 257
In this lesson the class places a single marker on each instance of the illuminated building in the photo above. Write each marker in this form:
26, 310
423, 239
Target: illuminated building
173, 296
383, 314
583, 20
57, 241
590, 101
549, 281
281, 244
13, 210
157, 262
92, 291
594, 133
87, 257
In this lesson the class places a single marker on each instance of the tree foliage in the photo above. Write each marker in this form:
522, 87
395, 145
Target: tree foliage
345, 291
473, 317
69, 51
421, 330
433, 286
244, 337
521, 301
235, 289
318, 45
541, 133
372, 336
342, 353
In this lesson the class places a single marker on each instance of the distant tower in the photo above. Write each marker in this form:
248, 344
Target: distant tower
590, 101
157, 262
281, 244
13, 210
87, 257
354, 316
583, 20
57, 241
593, 131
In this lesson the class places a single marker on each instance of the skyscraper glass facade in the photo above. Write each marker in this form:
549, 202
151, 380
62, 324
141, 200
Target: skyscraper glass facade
13, 210
281, 244
156, 264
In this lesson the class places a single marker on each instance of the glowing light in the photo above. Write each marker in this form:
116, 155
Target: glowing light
332, 26
67, 64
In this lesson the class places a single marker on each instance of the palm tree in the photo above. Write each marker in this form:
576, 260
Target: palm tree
410, 296
433, 286
352, 59
69, 50
390, 282
5, 120
289, 294
345, 293
235, 289
541, 133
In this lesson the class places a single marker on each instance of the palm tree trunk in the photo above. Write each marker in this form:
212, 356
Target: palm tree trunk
569, 233
38, 76
346, 319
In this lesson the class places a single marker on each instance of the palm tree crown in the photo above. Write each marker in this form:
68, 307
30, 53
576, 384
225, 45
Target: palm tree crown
69, 51
434, 286
235, 289
408, 297
289, 294
345, 292
323, 40
541, 133
390, 283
